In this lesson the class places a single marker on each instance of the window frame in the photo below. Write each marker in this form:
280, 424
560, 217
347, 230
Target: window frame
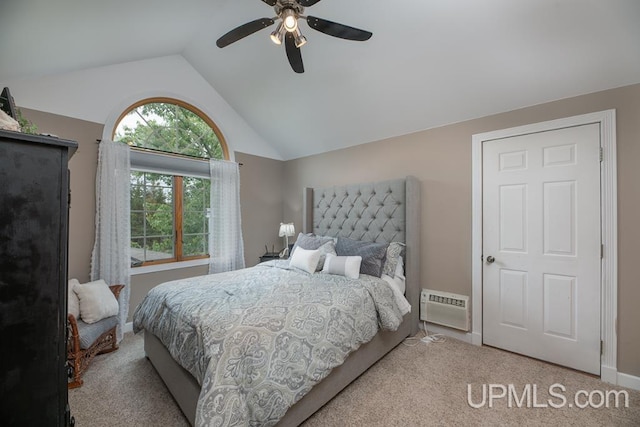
177, 191
177, 166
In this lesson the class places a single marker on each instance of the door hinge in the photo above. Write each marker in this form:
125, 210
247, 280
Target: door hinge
601, 251
601, 348
601, 154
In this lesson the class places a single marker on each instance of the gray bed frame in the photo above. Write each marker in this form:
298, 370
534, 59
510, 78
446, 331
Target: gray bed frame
382, 212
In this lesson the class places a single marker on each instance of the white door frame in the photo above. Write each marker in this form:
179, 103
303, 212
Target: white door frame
609, 227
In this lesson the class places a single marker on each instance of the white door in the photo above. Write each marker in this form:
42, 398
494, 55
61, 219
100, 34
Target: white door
542, 245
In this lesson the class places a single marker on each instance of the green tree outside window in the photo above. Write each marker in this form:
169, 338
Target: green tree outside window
169, 213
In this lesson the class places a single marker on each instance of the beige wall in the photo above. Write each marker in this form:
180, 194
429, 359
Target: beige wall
262, 208
441, 159
271, 192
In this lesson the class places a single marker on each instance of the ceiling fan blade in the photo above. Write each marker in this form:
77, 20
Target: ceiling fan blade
293, 53
338, 30
272, 2
307, 3
244, 31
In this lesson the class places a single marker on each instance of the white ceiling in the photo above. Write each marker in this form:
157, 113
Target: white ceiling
429, 62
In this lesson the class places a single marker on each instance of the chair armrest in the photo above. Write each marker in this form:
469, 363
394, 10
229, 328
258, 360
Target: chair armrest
116, 290
74, 335
72, 322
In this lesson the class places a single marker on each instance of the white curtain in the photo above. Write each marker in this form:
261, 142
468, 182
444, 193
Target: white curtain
111, 257
226, 248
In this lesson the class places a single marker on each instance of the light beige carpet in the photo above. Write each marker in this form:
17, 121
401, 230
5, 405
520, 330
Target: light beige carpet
424, 385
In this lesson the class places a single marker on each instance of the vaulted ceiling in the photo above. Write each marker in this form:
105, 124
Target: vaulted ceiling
429, 62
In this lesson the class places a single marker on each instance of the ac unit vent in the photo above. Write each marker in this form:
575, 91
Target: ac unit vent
445, 309
448, 300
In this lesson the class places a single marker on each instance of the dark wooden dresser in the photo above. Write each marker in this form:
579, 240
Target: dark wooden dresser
34, 214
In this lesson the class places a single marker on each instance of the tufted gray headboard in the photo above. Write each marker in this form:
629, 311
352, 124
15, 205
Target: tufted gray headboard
385, 211
373, 212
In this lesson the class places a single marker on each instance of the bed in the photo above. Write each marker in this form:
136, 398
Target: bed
381, 212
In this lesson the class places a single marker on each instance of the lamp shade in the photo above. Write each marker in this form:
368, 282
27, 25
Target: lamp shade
277, 35
286, 230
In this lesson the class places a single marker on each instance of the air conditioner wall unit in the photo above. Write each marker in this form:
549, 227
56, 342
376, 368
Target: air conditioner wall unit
444, 308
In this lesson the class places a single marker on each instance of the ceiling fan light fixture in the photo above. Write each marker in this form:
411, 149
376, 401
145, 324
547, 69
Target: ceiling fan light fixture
289, 20
287, 33
299, 39
277, 34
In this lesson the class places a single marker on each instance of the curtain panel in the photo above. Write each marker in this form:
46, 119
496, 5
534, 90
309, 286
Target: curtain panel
111, 256
226, 248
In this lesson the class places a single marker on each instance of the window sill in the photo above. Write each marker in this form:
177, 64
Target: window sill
168, 266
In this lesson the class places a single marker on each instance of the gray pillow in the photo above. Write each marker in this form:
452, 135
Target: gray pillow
309, 241
373, 254
327, 248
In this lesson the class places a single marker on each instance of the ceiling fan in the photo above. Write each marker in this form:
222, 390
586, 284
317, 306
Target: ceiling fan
287, 13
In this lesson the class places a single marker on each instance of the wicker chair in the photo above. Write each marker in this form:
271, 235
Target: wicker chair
85, 341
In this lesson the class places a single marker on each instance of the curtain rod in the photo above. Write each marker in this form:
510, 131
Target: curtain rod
155, 150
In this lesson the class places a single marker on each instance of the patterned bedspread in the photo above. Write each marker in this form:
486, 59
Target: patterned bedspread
259, 339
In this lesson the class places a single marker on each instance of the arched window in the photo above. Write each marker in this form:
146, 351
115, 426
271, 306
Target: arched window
173, 126
170, 189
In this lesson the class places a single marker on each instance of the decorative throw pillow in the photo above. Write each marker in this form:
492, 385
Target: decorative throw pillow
97, 302
348, 266
327, 248
73, 303
306, 260
394, 252
309, 241
372, 254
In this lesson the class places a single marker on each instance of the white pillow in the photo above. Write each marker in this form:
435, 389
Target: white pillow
73, 303
305, 259
400, 268
348, 266
97, 302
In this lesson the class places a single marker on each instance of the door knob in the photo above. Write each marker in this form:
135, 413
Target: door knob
490, 259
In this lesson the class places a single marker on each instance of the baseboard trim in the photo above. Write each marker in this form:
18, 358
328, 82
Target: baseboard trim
629, 381
453, 333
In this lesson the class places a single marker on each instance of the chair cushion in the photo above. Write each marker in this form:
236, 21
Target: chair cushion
89, 332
